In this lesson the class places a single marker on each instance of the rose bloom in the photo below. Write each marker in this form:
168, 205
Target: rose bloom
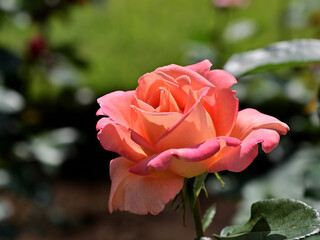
179, 123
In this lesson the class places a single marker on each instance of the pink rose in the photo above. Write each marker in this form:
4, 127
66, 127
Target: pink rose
180, 122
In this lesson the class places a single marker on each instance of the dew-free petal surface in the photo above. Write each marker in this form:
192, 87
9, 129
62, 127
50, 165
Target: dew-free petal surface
250, 119
116, 105
140, 194
116, 138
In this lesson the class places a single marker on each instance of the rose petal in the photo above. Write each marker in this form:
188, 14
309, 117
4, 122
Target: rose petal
239, 158
151, 125
191, 169
194, 127
116, 138
270, 138
141, 141
186, 162
167, 102
191, 100
138, 194
225, 110
219, 78
116, 106
102, 122
201, 67
163, 160
150, 82
222, 106
175, 71
251, 119
144, 106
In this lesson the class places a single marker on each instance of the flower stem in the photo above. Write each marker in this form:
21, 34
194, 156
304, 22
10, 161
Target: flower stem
196, 212
189, 194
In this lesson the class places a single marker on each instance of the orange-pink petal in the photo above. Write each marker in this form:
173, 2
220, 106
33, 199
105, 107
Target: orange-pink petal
140, 194
116, 105
176, 71
251, 119
151, 125
151, 82
223, 108
252, 128
116, 138
187, 162
194, 127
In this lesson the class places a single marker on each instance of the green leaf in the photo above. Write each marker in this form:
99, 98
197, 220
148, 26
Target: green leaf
313, 237
208, 216
287, 53
198, 184
276, 219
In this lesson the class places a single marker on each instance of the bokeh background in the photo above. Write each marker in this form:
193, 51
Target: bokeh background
58, 56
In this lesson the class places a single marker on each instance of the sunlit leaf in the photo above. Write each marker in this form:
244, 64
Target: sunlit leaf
287, 53
276, 219
208, 217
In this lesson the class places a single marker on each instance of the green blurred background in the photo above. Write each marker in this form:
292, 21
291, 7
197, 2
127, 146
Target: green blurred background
58, 56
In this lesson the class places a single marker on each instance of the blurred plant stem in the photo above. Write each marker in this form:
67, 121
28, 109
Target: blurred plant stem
190, 194
196, 212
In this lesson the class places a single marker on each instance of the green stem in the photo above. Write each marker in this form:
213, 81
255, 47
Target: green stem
196, 212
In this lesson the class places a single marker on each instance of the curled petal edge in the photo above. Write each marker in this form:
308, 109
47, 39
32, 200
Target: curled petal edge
239, 158
196, 153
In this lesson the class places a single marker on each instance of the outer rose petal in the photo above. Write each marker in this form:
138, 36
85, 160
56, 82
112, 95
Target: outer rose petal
226, 109
191, 169
116, 138
239, 158
250, 119
140, 194
252, 127
187, 162
116, 106
224, 112
219, 78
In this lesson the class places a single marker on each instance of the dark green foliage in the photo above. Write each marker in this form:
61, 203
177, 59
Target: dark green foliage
276, 219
